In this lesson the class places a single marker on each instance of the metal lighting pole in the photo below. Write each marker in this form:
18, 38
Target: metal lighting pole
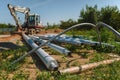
50, 62
51, 45
34, 49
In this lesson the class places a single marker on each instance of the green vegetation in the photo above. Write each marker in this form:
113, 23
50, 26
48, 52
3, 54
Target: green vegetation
6, 25
103, 72
7, 28
20, 76
7, 57
66, 24
109, 15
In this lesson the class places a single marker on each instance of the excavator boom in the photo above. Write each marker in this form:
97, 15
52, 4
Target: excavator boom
14, 9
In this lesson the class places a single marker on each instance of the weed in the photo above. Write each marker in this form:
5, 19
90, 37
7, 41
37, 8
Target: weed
20, 76
72, 48
75, 64
18, 41
44, 76
9, 56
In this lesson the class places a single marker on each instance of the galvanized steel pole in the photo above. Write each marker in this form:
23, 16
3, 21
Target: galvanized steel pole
50, 62
85, 67
51, 45
33, 50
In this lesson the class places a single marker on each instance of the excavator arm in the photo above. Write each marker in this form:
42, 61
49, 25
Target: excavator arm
14, 9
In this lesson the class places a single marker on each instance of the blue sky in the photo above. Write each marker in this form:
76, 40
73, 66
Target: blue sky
52, 11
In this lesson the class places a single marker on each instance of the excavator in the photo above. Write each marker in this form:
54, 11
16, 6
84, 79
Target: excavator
31, 23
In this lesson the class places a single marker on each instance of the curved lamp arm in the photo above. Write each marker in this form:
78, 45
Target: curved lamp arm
101, 24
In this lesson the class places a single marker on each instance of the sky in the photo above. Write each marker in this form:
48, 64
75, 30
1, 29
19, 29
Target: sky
52, 11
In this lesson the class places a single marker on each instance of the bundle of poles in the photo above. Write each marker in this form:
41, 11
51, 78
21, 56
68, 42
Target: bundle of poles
51, 63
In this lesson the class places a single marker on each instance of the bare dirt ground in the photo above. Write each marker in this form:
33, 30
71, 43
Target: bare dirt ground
50, 31
11, 38
33, 63
10, 42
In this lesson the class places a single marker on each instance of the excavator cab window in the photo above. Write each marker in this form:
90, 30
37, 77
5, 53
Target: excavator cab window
33, 20
37, 20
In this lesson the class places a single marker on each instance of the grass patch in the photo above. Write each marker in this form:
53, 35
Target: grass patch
103, 72
8, 56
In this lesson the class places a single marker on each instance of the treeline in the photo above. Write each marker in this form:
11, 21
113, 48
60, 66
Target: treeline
6, 25
109, 15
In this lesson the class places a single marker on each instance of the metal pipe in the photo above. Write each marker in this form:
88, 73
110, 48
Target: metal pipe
65, 39
101, 24
85, 67
77, 41
50, 62
33, 50
51, 45
59, 49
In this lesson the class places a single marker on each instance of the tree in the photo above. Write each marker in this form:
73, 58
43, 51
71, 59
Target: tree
109, 15
106, 14
115, 20
66, 24
3, 26
6, 25
88, 15
52, 26
11, 25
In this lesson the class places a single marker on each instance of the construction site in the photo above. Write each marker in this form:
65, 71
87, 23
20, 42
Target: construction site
33, 51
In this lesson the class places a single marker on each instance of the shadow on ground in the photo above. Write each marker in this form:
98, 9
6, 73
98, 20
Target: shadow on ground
8, 45
37, 61
39, 64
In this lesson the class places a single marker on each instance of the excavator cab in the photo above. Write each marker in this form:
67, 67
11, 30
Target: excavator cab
33, 20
